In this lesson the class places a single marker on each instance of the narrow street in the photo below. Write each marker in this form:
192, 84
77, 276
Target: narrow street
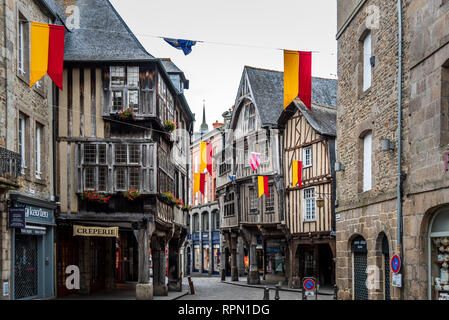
213, 289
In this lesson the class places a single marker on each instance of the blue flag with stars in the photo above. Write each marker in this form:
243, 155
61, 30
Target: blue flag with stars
181, 44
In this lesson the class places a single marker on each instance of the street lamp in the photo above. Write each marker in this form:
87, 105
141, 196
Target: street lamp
320, 202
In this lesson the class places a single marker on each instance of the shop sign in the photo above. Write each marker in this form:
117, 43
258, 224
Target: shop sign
85, 231
359, 245
33, 232
39, 215
17, 218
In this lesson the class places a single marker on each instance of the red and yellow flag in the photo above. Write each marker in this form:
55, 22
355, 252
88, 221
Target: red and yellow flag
198, 183
47, 52
297, 173
206, 157
298, 77
263, 186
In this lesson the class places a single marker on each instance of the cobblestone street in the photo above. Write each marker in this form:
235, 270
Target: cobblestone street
213, 289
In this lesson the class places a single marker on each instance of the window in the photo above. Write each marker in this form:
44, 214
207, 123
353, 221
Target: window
253, 201
309, 204
95, 167
126, 175
117, 76
367, 160
269, 201
250, 117
205, 222
22, 143
38, 149
367, 62
117, 101
125, 85
229, 204
22, 46
307, 156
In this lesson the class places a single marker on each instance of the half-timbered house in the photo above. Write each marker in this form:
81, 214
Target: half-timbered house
105, 154
256, 221
309, 136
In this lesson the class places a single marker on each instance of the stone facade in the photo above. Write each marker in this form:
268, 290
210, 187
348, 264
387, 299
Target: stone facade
34, 104
373, 214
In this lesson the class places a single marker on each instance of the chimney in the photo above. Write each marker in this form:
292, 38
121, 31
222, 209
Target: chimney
217, 124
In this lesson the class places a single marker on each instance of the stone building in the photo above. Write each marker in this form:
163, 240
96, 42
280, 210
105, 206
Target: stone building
377, 216
309, 136
113, 137
26, 158
203, 247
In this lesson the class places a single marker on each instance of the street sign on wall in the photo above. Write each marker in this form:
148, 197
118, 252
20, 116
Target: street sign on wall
395, 263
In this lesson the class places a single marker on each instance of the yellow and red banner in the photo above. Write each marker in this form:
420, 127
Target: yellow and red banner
47, 52
263, 186
298, 77
199, 180
206, 157
297, 173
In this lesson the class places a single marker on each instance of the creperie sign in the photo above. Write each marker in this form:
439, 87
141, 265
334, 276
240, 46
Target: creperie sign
88, 231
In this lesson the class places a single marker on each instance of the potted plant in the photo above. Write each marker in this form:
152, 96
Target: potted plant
186, 207
132, 194
178, 203
93, 195
170, 126
127, 114
169, 196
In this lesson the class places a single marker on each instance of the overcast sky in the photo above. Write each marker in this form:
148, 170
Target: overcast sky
214, 70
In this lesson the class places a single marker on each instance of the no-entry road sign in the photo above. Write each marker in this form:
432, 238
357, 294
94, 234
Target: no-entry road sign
395, 263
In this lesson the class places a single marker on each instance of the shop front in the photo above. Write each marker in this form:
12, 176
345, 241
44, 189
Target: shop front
216, 261
196, 258
32, 248
275, 260
206, 258
438, 259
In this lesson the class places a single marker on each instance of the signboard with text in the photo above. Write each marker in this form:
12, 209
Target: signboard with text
17, 218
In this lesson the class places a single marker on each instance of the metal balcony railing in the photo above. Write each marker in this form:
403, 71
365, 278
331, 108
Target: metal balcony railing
10, 164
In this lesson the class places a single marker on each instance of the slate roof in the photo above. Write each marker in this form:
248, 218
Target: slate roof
170, 66
51, 6
268, 92
322, 119
103, 35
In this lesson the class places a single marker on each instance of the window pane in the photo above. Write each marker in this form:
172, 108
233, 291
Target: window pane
90, 153
120, 176
134, 178
90, 177
367, 158
117, 101
133, 76
102, 178
118, 76
101, 153
120, 153
133, 100
134, 153
367, 62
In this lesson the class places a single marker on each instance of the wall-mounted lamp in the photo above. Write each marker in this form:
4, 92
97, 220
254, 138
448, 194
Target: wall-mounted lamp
372, 61
320, 202
387, 145
339, 166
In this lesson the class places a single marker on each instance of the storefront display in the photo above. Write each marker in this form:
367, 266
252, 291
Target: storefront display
197, 258
206, 258
33, 250
276, 257
439, 256
216, 265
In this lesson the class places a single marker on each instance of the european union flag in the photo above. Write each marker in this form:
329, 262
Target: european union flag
184, 45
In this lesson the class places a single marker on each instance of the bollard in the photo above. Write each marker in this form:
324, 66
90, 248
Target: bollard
335, 292
192, 288
276, 295
266, 293
304, 297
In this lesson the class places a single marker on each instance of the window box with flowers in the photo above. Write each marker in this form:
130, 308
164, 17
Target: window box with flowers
127, 115
132, 194
94, 196
170, 126
186, 207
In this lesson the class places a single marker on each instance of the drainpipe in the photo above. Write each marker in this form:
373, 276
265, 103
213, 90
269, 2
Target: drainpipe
399, 186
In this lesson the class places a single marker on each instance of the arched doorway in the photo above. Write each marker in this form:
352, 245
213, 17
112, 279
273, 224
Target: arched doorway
438, 255
359, 265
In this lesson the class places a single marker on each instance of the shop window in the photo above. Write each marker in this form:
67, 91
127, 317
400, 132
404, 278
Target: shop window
439, 256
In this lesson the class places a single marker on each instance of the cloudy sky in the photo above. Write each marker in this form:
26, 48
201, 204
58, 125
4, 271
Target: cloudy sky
236, 33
